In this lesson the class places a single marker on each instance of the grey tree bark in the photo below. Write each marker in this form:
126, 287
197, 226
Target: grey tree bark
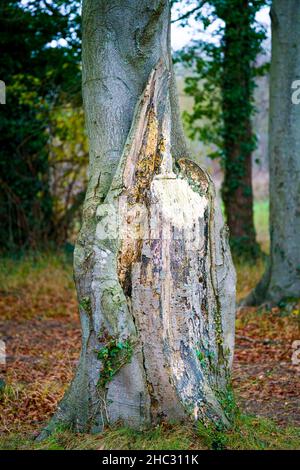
157, 301
282, 277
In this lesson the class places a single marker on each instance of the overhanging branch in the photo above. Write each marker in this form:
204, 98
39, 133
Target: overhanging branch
189, 13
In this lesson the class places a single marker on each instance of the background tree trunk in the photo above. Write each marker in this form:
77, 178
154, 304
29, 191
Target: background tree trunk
237, 107
157, 304
282, 278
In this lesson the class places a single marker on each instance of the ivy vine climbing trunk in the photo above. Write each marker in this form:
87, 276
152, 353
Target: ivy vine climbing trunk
282, 277
240, 43
153, 269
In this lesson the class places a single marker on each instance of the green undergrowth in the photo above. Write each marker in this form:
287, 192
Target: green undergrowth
248, 433
19, 271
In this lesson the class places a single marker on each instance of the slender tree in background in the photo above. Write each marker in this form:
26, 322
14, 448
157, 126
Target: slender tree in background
282, 277
157, 305
241, 44
222, 86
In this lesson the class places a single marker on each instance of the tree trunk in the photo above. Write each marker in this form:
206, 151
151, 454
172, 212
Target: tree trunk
237, 195
282, 277
154, 275
237, 108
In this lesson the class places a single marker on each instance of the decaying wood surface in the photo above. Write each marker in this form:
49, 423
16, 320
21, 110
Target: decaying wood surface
161, 281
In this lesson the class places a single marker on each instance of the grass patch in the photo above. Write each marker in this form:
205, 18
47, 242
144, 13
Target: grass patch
37, 285
248, 275
261, 222
30, 268
248, 433
251, 433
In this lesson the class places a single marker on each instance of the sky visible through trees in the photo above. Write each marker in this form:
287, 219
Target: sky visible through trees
180, 36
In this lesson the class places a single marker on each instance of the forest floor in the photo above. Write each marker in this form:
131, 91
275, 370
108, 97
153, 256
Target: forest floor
40, 326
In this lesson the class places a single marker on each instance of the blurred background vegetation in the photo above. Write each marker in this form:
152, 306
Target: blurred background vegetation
43, 145
43, 154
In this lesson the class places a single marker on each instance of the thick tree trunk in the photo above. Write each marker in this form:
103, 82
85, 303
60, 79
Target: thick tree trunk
282, 278
153, 270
